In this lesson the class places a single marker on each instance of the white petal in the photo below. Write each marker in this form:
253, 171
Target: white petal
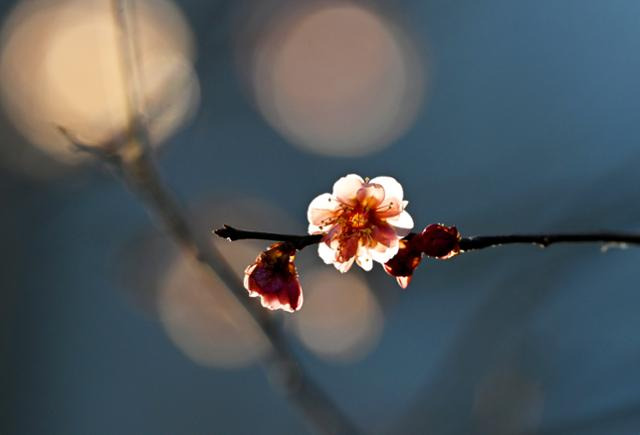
364, 259
321, 208
314, 229
322, 201
392, 189
346, 188
327, 254
382, 254
344, 267
403, 223
300, 301
245, 281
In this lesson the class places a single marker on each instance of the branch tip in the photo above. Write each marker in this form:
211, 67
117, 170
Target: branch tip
226, 232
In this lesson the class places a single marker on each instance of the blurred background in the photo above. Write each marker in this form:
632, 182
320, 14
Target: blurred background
497, 116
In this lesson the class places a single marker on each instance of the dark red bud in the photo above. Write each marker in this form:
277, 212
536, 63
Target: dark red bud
273, 278
439, 241
405, 261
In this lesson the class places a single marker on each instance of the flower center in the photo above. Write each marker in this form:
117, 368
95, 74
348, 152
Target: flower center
359, 220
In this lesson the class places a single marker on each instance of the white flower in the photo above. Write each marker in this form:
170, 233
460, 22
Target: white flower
363, 220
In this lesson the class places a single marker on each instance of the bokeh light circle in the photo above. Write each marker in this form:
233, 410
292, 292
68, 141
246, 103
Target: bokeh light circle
198, 312
337, 78
341, 319
204, 320
61, 64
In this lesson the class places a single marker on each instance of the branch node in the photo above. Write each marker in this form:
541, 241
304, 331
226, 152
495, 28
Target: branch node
107, 151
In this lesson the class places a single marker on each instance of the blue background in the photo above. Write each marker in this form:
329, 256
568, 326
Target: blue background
531, 124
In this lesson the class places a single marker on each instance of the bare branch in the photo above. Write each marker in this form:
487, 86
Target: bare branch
544, 240
466, 243
232, 234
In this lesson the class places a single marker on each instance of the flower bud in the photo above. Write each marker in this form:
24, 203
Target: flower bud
439, 241
405, 261
273, 278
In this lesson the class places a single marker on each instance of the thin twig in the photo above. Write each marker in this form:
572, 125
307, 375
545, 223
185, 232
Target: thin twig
466, 244
232, 234
544, 240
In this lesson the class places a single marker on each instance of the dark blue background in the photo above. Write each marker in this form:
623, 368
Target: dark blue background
531, 124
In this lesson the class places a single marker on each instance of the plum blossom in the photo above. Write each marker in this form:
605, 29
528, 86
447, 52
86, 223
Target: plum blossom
273, 278
362, 220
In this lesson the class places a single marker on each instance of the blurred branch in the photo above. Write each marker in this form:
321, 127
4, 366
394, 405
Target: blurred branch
466, 243
132, 160
134, 165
